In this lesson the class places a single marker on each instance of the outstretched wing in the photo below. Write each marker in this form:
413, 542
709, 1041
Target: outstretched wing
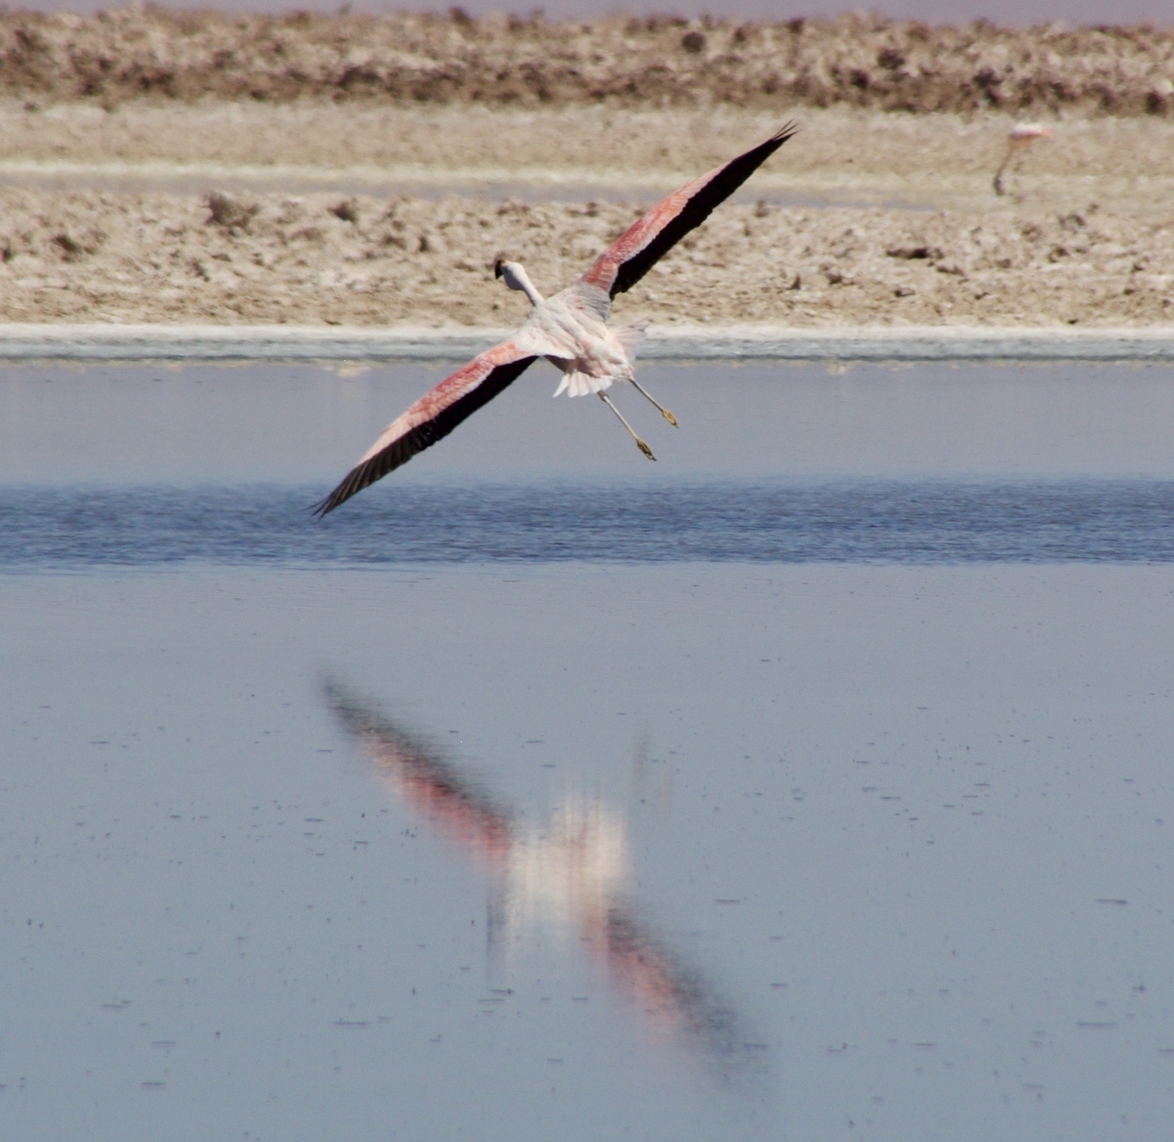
434, 416
654, 234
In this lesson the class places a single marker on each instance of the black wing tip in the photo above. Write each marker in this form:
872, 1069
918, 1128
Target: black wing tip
352, 483
325, 506
415, 440
769, 145
788, 130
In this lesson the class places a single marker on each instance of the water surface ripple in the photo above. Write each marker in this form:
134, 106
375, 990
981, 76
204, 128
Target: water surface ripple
922, 522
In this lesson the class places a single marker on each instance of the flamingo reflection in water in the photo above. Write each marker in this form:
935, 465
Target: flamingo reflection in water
573, 873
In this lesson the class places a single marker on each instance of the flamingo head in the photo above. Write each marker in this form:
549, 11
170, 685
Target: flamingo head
505, 267
515, 277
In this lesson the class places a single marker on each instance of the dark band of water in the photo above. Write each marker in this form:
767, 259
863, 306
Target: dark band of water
892, 522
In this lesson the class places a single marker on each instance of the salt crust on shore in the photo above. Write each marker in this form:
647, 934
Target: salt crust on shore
350, 348
361, 260
843, 156
1083, 238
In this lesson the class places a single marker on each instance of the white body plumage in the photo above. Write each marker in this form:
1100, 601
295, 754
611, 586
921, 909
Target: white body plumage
570, 330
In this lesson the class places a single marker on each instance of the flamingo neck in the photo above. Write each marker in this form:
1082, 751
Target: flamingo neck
517, 278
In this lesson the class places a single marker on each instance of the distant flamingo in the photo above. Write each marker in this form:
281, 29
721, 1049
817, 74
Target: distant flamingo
569, 329
1019, 139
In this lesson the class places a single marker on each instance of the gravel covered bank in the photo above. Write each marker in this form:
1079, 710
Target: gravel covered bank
115, 130
136, 51
365, 261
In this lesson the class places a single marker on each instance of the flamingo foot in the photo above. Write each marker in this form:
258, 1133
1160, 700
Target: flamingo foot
631, 431
649, 397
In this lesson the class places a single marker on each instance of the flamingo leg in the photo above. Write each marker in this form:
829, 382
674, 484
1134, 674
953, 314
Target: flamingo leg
639, 443
663, 411
998, 183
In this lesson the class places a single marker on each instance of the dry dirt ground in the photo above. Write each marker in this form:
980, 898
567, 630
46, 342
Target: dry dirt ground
152, 256
161, 209
861, 61
841, 155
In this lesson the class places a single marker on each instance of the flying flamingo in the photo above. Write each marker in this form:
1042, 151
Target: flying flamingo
569, 329
1019, 138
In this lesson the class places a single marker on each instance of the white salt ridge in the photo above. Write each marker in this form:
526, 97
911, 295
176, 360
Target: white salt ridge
877, 344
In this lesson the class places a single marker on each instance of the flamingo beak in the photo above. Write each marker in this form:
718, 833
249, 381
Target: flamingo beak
499, 265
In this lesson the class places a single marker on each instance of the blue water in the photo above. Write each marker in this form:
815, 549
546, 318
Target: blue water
811, 783
886, 521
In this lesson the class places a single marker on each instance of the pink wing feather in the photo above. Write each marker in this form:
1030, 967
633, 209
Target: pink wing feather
648, 239
433, 417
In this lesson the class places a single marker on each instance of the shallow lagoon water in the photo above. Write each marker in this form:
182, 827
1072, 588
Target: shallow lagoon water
429, 845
